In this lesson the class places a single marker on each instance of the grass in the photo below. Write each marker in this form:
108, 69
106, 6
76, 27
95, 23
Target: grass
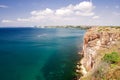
107, 67
112, 58
113, 65
109, 29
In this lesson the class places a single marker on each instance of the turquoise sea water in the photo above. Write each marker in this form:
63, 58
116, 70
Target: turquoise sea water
39, 54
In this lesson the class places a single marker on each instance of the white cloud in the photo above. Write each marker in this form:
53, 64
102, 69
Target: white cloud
84, 6
96, 17
62, 15
63, 12
85, 14
7, 21
3, 6
22, 20
45, 12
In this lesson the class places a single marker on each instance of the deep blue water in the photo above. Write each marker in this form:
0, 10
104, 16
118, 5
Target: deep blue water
39, 54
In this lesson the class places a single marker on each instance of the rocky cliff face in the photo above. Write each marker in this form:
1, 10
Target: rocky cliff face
97, 42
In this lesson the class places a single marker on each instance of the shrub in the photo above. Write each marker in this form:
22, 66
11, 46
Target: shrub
112, 58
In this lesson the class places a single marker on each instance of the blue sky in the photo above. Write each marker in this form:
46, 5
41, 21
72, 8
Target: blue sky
59, 12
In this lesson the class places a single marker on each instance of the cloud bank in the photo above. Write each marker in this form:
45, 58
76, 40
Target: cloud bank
65, 15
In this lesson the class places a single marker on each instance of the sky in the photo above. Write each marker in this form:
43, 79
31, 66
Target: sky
26, 13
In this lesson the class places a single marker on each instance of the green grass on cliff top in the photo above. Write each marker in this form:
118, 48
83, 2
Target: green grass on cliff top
113, 57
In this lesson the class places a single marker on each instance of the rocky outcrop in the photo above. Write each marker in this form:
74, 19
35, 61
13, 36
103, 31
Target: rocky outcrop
95, 40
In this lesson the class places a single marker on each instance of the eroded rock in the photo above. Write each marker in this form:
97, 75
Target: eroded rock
95, 39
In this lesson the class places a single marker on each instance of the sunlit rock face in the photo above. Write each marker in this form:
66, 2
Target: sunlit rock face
95, 39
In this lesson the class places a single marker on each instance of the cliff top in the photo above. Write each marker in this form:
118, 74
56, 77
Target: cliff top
105, 29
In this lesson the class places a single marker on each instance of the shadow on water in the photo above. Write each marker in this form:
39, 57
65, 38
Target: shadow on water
61, 65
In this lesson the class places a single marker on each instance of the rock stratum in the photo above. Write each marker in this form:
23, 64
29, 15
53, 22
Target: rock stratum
101, 54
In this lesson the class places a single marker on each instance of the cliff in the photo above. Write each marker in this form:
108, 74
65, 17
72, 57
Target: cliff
101, 54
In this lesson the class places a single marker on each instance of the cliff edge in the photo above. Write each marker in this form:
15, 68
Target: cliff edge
101, 54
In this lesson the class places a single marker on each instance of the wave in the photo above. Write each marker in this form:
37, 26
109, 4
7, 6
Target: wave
42, 35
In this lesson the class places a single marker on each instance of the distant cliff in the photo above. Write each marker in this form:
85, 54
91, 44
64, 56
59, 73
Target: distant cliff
101, 54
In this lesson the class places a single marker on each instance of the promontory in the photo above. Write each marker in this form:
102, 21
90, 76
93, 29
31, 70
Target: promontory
100, 54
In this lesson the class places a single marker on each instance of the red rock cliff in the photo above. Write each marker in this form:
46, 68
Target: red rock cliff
96, 39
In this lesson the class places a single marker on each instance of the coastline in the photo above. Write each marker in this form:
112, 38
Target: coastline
97, 40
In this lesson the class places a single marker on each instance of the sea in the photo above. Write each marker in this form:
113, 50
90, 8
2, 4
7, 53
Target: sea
39, 53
